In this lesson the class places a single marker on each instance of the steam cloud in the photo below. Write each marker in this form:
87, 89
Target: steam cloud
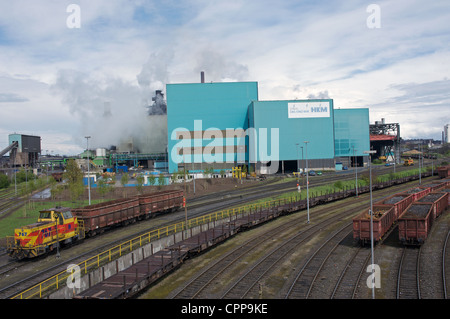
114, 112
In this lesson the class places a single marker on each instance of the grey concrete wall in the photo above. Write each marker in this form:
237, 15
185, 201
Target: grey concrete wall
98, 275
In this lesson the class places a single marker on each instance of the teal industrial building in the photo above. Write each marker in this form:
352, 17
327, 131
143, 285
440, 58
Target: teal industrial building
223, 125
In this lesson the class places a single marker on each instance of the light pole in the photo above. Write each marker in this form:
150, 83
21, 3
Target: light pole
87, 157
307, 179
184, 197
356, 171
371, 220
56, 216
418, 148
298, 166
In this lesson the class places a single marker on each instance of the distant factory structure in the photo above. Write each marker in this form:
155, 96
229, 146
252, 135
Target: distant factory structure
385, 139
24, 150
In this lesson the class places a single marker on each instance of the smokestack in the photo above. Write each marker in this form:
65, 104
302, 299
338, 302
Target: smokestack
202, 77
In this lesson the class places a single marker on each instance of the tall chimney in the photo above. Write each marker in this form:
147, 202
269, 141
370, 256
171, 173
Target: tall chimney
202, 77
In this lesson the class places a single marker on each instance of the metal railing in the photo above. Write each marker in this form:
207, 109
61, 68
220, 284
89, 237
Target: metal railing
59, 280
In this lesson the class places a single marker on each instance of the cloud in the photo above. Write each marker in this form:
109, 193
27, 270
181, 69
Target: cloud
110, 110
61, 78
11, 97
218, 67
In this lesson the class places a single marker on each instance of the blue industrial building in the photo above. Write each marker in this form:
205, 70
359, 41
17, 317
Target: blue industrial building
203, 120
351, 135
222, 125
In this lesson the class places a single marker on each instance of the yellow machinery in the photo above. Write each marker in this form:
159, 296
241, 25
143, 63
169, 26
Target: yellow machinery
41, 237
238, 173
408, 162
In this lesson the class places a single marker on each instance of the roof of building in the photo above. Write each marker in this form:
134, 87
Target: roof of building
383, 137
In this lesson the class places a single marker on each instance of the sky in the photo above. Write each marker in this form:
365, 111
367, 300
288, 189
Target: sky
62, 67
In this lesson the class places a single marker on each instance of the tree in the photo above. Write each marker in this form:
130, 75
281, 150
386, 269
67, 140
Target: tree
124, 180
4, 182
151, 179
103, 187
139, 183
339, 185
209, 172
161, 180
74, 177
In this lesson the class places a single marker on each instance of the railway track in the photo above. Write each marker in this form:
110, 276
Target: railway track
408, 280
306, 278
237, 254
248, 285
346, 285
10, 205
446, 266
202, 210
30, 275
204, 279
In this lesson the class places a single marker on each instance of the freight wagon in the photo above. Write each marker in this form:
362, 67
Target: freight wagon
414, 224
160, 202
439, 201
398, 201
447, 190
101, 216
423, 206
74, 224
386, 213
383, 219
417, 192
436, 186
444, 171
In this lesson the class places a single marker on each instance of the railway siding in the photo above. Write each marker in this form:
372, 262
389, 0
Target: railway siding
132, 281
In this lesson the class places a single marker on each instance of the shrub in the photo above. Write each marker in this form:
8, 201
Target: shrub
339, 185
4, 182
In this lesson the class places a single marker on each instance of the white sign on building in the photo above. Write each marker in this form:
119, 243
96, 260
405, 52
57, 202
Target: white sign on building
308, 109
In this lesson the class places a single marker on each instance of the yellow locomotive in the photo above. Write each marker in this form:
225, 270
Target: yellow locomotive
41, 237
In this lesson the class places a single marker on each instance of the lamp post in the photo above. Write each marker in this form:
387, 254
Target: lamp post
56, 216
307, 179
87, 157
420, 171
303, 170
356, 171
184, 197
298, 165
371, 220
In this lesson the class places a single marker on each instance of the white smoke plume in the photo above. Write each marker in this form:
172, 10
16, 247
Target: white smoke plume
113, 111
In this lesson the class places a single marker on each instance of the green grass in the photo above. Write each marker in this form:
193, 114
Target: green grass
336, 186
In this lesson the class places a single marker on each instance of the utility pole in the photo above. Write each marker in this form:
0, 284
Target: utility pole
307, 179
88, 164
371, 220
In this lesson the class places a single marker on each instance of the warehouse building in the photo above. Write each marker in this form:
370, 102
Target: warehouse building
223, 125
